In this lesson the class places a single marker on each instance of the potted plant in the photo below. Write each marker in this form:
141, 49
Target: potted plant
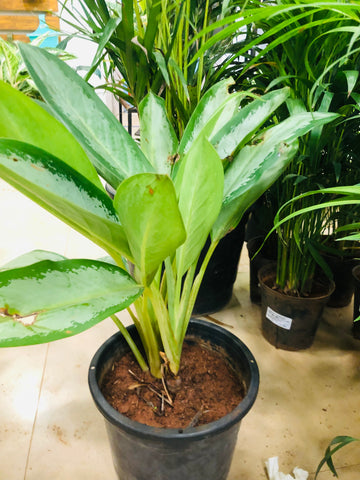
333, 199
321, 67
323, 74
199, 44
304, 272
170, 195
291, 329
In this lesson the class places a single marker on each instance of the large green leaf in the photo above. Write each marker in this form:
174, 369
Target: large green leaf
256, 167
50, 300
61, 190
113, 152
208, 106
158, 138
249, 119
199, 184
22, 119
148, 210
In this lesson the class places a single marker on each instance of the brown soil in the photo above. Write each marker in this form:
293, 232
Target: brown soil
205, 390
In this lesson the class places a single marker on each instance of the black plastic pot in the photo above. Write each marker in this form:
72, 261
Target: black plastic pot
258, 226
141, 452
356, 278
289, 323
341, 268
217, 285
265, 256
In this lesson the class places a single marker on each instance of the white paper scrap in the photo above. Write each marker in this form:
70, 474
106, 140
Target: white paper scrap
272, 468
300, 474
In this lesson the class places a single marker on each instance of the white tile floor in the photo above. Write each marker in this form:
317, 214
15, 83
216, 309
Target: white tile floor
50, 429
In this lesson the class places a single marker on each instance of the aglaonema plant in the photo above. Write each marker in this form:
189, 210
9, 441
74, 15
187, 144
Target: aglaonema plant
170, 196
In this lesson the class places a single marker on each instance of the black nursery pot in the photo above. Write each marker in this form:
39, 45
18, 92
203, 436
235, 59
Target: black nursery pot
258, 259
290, 323
141, 452
341, 268
217, 285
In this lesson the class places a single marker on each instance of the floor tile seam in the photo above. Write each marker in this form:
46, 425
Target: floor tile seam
36, 412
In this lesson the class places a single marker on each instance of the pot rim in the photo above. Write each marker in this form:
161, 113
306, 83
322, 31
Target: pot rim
143, 430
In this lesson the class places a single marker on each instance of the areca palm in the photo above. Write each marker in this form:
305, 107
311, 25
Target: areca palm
314, 48
147, 46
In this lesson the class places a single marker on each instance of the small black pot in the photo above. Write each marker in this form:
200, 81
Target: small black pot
289, 323
141, 452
